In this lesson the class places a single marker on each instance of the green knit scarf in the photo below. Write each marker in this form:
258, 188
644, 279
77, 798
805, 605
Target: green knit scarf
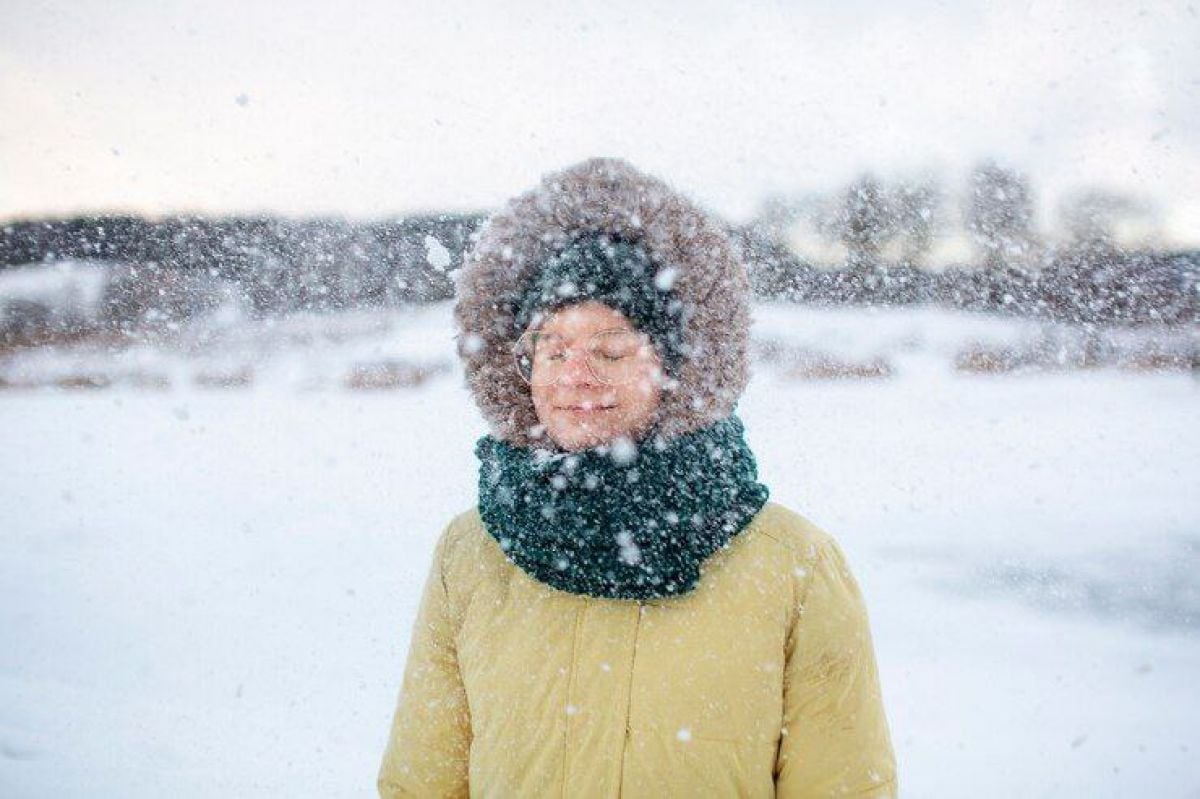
620, 522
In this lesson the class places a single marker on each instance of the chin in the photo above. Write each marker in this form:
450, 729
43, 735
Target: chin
576, 441
575, 438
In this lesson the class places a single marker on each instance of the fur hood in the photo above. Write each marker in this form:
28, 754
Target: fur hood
604, 195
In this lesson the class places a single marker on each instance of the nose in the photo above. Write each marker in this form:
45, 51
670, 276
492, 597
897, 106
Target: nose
575, 369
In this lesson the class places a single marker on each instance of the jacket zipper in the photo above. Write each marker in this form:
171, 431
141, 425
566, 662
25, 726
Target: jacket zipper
637, 623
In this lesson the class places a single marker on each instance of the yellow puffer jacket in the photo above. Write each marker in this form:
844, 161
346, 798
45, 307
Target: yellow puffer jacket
761, 682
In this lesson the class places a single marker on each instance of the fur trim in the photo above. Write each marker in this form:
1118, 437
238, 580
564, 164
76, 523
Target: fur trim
604, 195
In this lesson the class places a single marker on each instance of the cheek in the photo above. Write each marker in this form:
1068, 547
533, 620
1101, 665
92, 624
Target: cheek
540, 400
641, 397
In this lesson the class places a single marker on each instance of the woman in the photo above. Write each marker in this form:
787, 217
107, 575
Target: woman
624, 612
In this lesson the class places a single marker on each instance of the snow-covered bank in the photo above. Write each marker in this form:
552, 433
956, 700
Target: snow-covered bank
208, 593
363, 347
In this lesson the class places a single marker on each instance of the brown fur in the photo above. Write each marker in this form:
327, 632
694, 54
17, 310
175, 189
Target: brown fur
604, 195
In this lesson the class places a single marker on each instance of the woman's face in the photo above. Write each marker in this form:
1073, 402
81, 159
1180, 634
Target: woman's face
620, 392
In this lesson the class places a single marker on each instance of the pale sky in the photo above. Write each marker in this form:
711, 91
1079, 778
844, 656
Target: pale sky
370, 109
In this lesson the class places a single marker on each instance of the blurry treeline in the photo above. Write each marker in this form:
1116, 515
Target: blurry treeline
168, 270
280, 265
1104, 262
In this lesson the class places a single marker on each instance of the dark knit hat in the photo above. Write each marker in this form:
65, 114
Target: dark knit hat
620, 274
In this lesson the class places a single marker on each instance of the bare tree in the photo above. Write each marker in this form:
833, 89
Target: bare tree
863, 220
773, 218
1091, 217
999, 213
915, 206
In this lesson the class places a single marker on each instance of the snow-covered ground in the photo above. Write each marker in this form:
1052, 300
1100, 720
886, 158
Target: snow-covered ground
209, 592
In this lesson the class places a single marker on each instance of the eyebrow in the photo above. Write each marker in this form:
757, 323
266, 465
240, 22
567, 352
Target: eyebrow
598, 332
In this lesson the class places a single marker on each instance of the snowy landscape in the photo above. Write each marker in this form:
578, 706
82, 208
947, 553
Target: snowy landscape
234, 420
209, 584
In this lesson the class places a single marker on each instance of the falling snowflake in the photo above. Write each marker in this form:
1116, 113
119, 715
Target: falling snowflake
630, 553
436, 254
623, 451
472, 344
665, 278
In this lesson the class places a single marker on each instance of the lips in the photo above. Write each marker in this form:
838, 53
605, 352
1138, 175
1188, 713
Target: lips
585, 408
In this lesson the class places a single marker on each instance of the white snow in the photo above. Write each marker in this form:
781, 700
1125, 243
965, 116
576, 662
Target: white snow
210, 593
436, 254
68, 289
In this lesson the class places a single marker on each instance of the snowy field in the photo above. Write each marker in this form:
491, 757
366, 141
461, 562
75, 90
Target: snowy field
208, 591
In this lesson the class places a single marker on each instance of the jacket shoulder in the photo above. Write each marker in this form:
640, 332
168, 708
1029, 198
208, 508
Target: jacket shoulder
468, 554
793, 531
464, 523
461, 539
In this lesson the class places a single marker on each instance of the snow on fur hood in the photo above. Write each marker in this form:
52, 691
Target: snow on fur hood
605, 195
